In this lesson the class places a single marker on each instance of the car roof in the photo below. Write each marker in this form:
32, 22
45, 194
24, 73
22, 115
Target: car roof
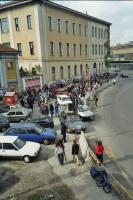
6, 138
63, 95
23, 125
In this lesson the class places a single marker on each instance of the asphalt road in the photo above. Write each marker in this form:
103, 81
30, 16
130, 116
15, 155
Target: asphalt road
117, 113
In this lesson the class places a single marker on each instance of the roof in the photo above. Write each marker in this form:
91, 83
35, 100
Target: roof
6, 138
23, 125
5, 49
123, 46
16, 3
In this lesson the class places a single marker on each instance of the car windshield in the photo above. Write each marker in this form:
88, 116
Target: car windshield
19, 143
39, 129
82, 109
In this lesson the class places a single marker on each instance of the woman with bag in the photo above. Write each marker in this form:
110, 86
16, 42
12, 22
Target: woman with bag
60, 152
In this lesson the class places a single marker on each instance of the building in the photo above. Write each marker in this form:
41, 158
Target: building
65, 43
9, 70
122, 56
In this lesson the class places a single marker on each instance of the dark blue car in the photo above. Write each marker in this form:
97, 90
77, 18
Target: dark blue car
32, 132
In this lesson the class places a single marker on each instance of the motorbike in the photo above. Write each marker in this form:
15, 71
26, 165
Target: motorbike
101, 178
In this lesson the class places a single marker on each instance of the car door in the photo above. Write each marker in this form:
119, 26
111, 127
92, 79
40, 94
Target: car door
33, 135
11, 116
9, 150
19, 115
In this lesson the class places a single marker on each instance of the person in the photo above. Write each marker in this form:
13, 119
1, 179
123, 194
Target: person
114, 81
51, 108
99, 149
60, 152
56, 106
75, 151
63, 131
96, 100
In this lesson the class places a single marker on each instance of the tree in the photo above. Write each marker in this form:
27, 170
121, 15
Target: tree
22, 72
34, 71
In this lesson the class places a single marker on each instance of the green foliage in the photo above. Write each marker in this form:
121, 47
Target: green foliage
107, 56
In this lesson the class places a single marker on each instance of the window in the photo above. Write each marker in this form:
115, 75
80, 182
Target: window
49, 23
61, 72
85, 49
96, 49
74, 49
92, 49
20, 131
85, 31
52, 48
19, 46
8, 146
4, 25
16, 24
0, 145
92, 31
67, 49
31, 131
67, 28
73, 28
75, 70
95, 32
99, 32
80, 49
81, 69
29, 22
59, 25
19, 113
69, 72
102, 49
99, 50
60, 48
87, 70
53, 73
79, 29
31, 46
105, 33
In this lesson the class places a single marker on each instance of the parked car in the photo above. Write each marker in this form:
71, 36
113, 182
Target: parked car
18, 114
84, 112
4, 124
123, 76
63, 100
14, 147
74, 124
4, 108
32, 132
45, 121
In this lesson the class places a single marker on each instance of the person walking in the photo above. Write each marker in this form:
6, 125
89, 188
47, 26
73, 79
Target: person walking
60, 152
75, 151
99, 149
56, 108
96, 100
63, 131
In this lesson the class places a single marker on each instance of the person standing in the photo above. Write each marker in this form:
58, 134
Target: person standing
56, 107
75, 151
63, 131
96, 100
51, 108
60, 152
99, 149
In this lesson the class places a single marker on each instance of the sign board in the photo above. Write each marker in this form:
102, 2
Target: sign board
32, 82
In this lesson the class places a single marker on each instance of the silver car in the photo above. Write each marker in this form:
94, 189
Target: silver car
18, 114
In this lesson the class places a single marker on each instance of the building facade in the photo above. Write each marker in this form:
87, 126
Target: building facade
122, 56
9, 71
63, 42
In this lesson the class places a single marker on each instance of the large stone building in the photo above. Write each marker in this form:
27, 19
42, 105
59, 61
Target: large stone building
122, 55
63, 42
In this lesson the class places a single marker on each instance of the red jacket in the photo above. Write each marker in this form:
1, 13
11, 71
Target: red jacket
99, 149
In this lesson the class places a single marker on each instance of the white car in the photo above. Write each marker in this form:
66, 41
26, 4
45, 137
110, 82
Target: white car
84, 112
63, 100
18, 114
14, 147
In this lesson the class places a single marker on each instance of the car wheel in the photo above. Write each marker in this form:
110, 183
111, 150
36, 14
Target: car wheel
21, 121
27, 159
46, 142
